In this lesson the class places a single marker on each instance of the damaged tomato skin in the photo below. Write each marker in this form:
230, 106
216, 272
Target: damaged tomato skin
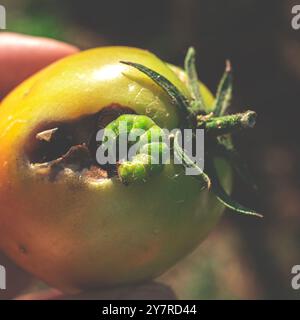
77, 235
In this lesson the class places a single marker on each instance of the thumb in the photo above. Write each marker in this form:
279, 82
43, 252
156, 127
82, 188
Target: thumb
22, 55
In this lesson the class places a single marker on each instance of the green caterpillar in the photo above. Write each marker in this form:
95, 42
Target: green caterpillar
152, 147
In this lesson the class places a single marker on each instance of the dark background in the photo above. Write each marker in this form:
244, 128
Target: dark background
244, 257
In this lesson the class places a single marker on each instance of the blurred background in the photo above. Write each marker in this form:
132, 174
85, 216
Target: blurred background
244, 258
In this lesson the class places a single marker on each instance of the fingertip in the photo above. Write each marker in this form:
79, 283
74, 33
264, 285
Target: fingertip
22, 55
12, 40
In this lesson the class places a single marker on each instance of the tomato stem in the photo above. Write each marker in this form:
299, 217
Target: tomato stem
226, 124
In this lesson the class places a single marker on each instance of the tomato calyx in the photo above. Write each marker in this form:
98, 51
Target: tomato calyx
218, 126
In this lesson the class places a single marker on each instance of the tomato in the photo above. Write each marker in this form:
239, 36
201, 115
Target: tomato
77, 233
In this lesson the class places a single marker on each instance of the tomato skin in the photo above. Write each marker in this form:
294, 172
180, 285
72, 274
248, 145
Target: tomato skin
76, 235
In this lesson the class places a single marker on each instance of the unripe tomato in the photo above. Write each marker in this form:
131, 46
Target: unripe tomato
78, 232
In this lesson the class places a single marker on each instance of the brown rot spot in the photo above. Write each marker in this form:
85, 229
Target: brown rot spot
69, 147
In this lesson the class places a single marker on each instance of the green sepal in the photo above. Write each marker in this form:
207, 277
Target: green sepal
226, 149
223, 197
224, 92
188, 162
176, 96
198, 104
